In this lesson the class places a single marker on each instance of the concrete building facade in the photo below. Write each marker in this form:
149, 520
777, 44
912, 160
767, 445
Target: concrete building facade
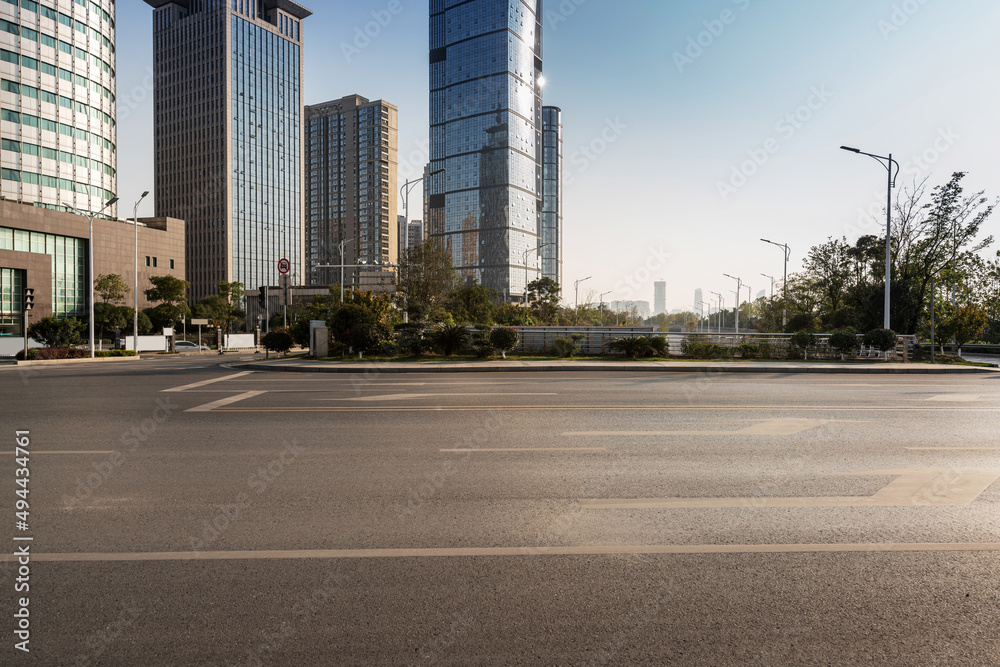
659, 297
228, 142
57, 103
351, 161
550, 249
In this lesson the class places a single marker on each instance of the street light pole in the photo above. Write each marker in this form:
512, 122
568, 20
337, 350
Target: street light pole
602, 306
342, 242
888, 220
722, 303
135, 313
772, 284
576, 286
406, 207
784, 284
736, 311
90, 218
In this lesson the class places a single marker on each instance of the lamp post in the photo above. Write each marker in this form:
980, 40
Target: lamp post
749, 304
342, 242
772, 284
135, 313
739, 289
576, 286
524, 256
888, 162
90, 218
784, 284
722, 304
602, 306
406, 206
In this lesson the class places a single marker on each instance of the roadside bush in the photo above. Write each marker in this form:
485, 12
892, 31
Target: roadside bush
749, 350
56, 333
504, 339
698, 350
631, 346
46, 353
803, 340
412, 339
277, 341
451, 338
568, 347
481, 345
114, 353
882, 340
658, 346
845, 341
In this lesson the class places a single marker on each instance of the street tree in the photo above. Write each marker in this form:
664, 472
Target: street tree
111, 287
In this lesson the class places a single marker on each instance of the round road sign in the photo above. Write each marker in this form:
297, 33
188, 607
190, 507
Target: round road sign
284, 266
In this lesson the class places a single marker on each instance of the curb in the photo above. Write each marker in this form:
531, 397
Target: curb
705, 368
87, 360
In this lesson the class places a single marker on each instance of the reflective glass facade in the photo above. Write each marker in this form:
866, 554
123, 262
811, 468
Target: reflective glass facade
550, 249
228, 137
485, 117
57, 93
69, 269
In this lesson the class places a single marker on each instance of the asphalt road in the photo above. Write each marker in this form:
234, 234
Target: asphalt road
184, 513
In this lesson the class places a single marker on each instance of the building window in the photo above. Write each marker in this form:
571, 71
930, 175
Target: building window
171, 264
148, 261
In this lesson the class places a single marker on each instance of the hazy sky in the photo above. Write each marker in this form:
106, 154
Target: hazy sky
692, 129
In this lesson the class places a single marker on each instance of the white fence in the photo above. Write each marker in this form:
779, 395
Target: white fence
240, 342
146, 343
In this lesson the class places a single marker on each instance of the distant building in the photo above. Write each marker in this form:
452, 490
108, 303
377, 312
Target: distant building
642, 307
550, 250
698, 299
659, 297
352, 196
410, 235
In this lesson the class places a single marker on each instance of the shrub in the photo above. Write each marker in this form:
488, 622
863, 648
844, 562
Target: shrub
882, 340
481, 344
412, 339
563, 347
115, 353
277, 341
803, 340
658, 346
749, 350
845, 341
451, 338
631, 346
504, 339
56, 333
46, 353
698, 350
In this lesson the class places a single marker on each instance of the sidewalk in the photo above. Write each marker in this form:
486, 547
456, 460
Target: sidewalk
578, 365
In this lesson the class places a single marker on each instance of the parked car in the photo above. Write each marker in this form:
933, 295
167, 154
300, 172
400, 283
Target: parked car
187, 346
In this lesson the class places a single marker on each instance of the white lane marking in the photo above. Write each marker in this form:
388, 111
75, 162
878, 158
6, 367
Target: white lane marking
472, 552
940, 488
399, 397
195, 385
952, 449
222, 402
770, 427
955, 398
42, 451
530, 449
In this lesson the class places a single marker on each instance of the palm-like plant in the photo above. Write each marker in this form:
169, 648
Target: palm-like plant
451, 338
631, 347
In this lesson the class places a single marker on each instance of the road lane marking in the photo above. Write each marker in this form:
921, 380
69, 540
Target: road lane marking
195, 385
530, 449
472, 552
939, 488
788, 426
621, 408
42, 451
955, 398
953, 449
401, 397
208, 407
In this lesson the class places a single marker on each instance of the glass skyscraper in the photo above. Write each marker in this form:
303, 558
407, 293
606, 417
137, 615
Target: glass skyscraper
57, 117
486, 133
550, 249
228, 139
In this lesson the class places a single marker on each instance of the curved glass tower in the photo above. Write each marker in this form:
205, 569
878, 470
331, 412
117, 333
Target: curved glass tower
57, 103
550, 249
486, 117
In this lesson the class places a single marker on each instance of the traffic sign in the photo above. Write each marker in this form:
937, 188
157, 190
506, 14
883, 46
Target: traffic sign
284, 266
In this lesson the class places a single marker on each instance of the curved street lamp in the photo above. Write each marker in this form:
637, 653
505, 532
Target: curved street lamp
135, 313
887, 162
736, 311
784, 284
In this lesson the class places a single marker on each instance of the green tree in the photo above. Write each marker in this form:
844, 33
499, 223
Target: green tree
543, 300
278, 341
426, 280
53, 332
111, 287
171, 295
108, 316
514, 316
504, 339
451, 338
473, 304
356, 326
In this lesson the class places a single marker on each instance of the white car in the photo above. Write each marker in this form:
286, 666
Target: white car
186, 346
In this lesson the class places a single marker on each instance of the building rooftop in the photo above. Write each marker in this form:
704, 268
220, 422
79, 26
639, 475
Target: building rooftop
293, 8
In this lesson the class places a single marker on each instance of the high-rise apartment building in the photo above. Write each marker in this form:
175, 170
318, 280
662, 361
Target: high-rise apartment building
228, 144
659, 297
57, 117
351, 160
486, 133
410, 235
698, 299
550, 248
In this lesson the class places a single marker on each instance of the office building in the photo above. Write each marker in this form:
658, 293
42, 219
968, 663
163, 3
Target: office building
57, 117
698, 300
228, 142
46, 251
486, 133
351, 161
659, 297
550, 248
411, 234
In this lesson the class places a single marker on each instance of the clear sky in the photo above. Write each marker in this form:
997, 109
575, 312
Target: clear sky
692, 129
